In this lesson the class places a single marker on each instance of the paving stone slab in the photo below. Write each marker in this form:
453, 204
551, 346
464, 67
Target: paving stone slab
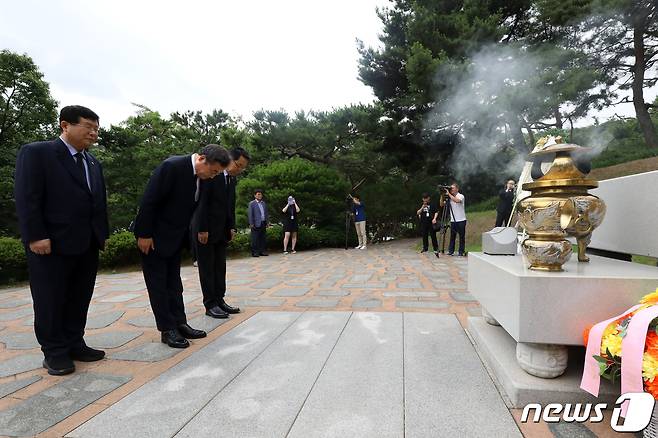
423, 304
327, 284
95, 308
104, 319
266, 284
474, 311
120, 298
359, 278
318, 302
437, 391
239, 281
403, 293
299, 283
15, 302
373, 285
111, 339
265, 398
147, 352
462, 296
360, 390
11, 387
410, 285
126, 286
138, 304
291, 292
19, 340
364, 302
11, 315
54, 404
265, 302
20, 364
244, 293
165, 404
332, 293
206, 323
298, 271
147, 320
388, 277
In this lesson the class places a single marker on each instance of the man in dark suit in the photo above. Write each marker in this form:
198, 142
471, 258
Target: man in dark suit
62, 211
505, 204
258, 221
162, 227
213, 227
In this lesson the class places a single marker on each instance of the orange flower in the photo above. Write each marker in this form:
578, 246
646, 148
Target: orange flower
586, 334
652, 387
651, 344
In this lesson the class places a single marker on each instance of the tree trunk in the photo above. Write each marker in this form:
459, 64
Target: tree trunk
641, 109
558, 118
517, 134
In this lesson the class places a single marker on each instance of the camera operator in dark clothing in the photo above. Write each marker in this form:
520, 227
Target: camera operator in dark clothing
426, 213
505, 204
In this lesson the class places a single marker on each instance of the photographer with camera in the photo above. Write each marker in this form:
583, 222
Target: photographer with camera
455, 202
506, 203
427, 214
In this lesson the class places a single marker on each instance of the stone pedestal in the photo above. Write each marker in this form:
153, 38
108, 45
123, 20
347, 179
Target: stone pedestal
544, 312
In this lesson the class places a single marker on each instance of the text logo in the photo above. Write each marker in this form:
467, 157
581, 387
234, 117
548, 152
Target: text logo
638, 413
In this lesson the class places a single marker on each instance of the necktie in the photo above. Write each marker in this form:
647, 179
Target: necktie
196, 193
81, 167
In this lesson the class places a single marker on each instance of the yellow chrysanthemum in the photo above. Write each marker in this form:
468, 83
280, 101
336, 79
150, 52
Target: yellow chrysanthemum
649, 366
651, 298
613, 343
610, 330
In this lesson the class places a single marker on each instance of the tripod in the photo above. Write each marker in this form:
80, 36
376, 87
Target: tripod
444, 222
348, 221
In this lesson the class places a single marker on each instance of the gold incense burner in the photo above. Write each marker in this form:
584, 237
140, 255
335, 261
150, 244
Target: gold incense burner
559, 206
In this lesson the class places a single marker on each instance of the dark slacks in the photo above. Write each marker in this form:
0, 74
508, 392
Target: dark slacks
258, 240
426, 230
211, 261
457, 228
502, 218
162, 278
61, 286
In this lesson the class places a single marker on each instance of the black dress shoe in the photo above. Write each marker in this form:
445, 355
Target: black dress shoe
216, 312
86, 354
264, 254
255, 255
188, 332
423, 251
227, 308
174, 339
58, 365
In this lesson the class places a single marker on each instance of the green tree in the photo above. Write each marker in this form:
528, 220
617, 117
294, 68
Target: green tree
27, 113
319, 189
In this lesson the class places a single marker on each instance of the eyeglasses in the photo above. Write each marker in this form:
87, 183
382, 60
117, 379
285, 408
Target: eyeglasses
87, 127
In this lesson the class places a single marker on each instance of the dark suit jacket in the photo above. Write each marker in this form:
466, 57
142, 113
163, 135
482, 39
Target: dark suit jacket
505, 202
167, 205
54, 202
215, 213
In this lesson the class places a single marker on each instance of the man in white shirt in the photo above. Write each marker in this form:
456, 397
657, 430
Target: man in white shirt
457, 219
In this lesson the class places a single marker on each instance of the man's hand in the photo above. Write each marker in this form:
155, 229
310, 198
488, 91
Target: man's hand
145, 244
203, 237
232, 235
41, 247
433, 221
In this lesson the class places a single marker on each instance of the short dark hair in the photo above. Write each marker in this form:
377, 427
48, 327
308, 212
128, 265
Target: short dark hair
454, 183
238, 152
73, 113
356, 196
426, 195
215, 154
258, 191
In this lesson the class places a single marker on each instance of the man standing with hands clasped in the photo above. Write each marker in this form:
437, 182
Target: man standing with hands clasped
427, 214
258, 219
505, 204
162, 229
62, 212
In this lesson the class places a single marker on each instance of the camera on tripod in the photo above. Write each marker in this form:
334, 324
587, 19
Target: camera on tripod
442, 188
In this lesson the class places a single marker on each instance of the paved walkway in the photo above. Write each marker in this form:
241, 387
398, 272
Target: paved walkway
331, 342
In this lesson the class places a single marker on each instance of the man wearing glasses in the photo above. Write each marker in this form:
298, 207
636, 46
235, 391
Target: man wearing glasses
62, 211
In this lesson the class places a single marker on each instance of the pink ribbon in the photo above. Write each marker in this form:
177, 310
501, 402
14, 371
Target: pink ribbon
591, 380
632, 347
